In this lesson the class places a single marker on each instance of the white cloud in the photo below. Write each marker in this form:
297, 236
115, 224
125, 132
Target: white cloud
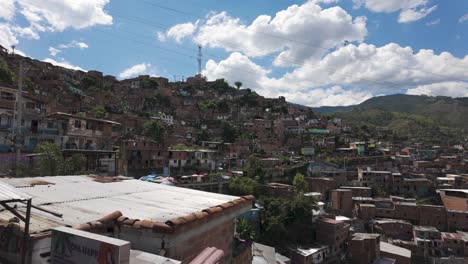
433, 23
238, 67
53, 51
74, 44
178, 32
8, 9
294, 34
463, 18
410, 10
26, 32
364, 70
59, 15
324, 1
389, 67
7, 36
138, 69
49, 15
410, 15
63, 63
453, 89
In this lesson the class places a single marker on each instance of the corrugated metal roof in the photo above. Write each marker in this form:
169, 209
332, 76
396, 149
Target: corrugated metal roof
10, 194
81, 199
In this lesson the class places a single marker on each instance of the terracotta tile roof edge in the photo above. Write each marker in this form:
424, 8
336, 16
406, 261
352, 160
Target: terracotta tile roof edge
169, 226
101, 223
198, 216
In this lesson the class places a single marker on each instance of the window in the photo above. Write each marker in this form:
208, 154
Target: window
78, 123
30, 105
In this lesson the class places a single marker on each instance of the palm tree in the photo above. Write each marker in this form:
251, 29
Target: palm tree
238, 85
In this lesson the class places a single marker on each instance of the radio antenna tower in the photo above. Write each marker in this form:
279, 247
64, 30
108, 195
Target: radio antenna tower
199, 59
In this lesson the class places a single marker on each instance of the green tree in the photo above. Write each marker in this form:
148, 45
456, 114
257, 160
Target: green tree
99, 112
245, 230
220, 84
74, 165
230, 132
51, 161
238, 85
154, 130
286, 221
243, 186
254, 169
300, 183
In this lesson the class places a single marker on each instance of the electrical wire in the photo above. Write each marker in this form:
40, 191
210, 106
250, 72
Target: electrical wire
301, 42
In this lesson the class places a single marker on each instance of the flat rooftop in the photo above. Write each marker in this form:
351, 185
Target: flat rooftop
387, 247
361, 236
82, 199
307, 251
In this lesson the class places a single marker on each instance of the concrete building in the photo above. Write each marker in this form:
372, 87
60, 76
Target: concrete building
85, 133
174, 222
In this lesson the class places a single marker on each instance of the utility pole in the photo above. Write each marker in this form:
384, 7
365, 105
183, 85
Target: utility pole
19, 116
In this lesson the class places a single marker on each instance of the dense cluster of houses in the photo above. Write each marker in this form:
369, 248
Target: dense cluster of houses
376, 202
392, 210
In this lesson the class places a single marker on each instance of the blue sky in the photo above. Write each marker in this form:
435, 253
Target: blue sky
395, 46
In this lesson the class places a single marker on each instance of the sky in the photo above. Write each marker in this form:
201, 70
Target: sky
315, 52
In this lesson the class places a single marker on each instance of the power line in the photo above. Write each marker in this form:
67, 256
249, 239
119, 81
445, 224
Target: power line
328, 69
299, 42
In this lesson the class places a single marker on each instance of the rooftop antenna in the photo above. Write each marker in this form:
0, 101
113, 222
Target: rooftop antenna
199, 59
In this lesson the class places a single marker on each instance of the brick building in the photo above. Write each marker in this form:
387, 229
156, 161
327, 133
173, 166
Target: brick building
364, 248
342, 202
334, 233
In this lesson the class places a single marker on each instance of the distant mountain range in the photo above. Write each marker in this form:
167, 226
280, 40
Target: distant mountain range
447, 111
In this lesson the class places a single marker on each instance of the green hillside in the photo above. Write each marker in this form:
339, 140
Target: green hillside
406, 127
446, 111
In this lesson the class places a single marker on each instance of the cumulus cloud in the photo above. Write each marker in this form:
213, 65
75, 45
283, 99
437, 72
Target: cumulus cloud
327, 2
7, 35
178, 32
453, 89
8, 9
463, 18
296, 33
59, 15
138, 69
238, 67
364, 70
410, 10
50, 15
63, 63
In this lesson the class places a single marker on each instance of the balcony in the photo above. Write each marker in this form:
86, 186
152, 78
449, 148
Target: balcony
49, 131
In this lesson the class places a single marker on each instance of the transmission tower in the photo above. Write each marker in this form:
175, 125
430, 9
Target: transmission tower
199, 59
